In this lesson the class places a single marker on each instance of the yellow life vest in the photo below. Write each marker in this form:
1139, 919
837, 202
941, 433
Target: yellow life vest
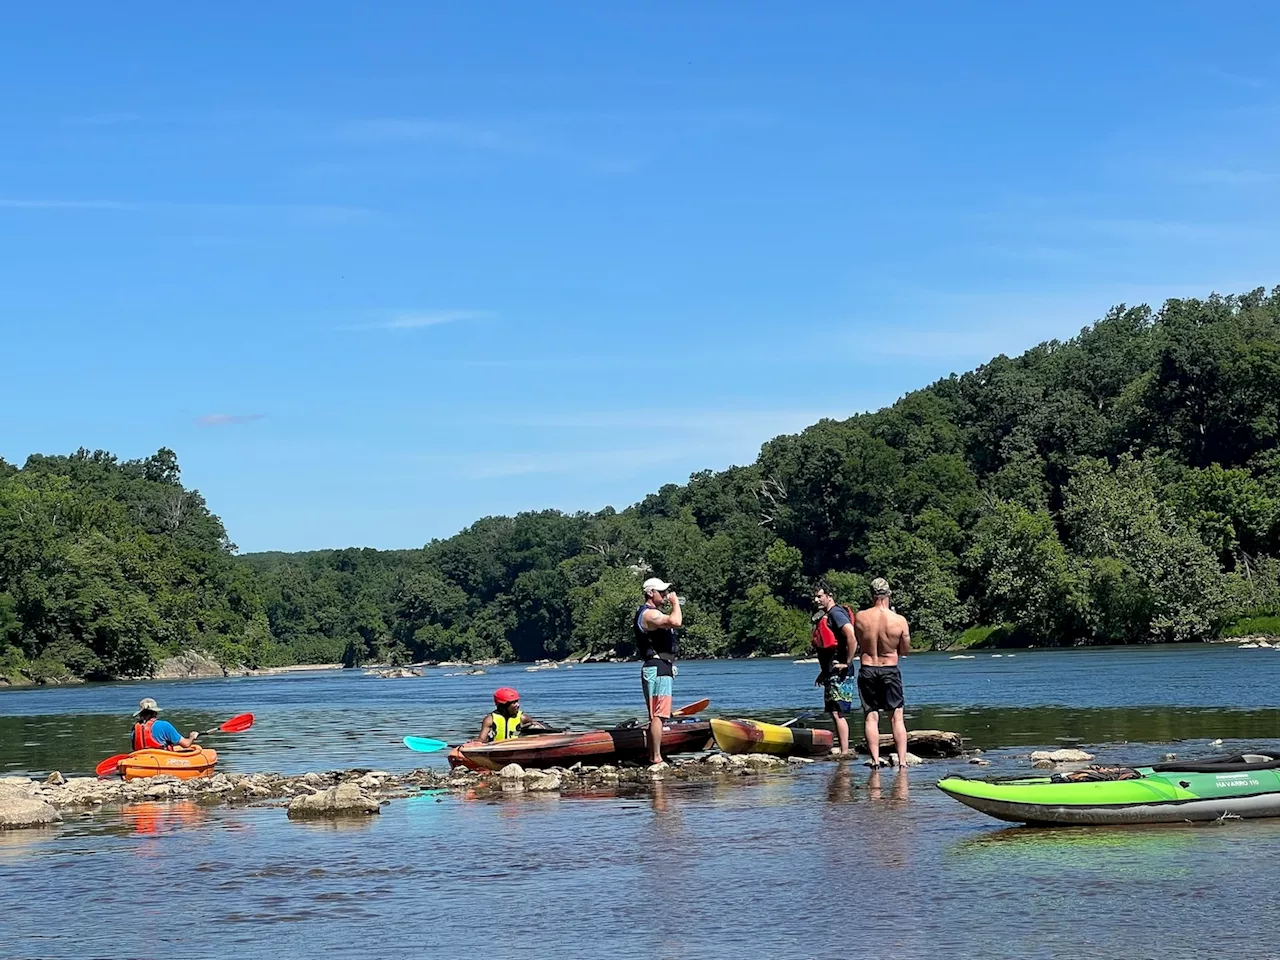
504, 727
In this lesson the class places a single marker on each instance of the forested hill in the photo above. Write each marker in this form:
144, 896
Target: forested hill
1121, 486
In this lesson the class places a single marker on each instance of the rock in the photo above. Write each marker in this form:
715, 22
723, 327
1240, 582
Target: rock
980, 762
657, 771
545, 782
370, 781
54, 779
607, 772
343, 800
1042, 764
763, 760
1170, 756
1062, 756
1216, 743
912, 759
798, 761
15, 781
18, 810
717, 760
192, 663
935, 744
512, 771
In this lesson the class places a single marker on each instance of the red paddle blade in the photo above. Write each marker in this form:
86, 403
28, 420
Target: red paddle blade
690, 709
238, 724
108, 766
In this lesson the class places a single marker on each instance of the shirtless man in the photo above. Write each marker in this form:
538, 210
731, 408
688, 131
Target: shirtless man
883, 636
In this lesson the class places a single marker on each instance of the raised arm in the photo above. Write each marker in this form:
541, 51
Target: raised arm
657, 619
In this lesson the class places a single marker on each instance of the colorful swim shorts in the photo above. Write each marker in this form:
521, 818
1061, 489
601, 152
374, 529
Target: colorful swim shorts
656, 678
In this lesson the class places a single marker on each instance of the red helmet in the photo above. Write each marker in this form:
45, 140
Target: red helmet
505, 695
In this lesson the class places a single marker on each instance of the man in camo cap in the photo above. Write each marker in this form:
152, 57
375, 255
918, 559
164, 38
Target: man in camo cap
883, 636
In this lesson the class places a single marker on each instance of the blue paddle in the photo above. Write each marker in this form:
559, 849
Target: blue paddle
425, 744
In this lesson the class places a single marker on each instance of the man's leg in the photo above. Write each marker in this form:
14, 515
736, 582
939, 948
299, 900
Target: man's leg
648, 685
842, 729
900, 737
871, 727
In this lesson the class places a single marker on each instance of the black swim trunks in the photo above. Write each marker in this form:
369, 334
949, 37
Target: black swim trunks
880, 688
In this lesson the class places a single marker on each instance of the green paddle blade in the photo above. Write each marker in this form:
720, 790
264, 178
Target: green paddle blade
425, 744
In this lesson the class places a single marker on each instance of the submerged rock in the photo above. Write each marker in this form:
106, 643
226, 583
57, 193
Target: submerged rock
346, 799
19, 809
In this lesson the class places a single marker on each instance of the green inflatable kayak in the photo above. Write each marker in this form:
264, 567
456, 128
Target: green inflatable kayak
1243, 785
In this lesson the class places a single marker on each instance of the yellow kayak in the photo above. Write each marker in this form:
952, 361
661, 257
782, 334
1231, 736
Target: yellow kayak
753, 736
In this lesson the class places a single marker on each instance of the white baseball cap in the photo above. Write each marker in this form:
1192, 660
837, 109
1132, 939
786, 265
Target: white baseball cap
653, 583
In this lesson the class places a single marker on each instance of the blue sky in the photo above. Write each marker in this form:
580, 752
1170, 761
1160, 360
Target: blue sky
374, 272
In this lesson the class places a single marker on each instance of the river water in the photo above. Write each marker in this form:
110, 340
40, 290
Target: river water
826, 861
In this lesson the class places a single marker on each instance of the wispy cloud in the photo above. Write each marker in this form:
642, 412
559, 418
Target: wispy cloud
1232, 178
104, 118
1238, 79
68, 205
455, 132
417, 319
317, 213
493, 465
227, 419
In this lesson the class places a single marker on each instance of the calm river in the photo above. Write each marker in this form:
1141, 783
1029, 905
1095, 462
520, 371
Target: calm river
822, 862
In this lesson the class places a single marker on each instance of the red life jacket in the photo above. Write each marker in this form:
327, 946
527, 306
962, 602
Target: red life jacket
823, 638
142, 738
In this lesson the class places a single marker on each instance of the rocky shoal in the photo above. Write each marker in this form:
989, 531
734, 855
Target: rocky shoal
28, 802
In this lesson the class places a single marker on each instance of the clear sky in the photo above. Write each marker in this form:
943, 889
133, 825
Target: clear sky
377, 270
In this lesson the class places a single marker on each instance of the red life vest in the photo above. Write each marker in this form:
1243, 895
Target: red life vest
142, 738
823, 638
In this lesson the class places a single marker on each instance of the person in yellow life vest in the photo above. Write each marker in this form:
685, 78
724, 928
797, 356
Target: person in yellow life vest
151, 733
507, 721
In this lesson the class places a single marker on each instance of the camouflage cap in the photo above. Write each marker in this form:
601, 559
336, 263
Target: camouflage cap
880, 587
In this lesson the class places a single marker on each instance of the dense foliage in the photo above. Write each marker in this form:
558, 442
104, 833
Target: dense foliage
1121, 486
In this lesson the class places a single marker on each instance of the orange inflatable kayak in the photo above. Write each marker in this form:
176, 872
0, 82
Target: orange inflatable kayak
183, 764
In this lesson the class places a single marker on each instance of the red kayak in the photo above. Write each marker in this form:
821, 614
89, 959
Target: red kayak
588, 746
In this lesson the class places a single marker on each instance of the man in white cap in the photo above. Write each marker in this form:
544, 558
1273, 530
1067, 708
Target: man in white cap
655, 634
883, 636
152, 733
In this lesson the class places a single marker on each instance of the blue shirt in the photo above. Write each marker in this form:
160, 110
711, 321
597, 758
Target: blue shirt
166, 733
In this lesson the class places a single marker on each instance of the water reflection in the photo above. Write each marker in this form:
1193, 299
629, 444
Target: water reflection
156, 817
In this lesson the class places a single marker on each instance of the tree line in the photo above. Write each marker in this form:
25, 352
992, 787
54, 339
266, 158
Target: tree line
1121, 486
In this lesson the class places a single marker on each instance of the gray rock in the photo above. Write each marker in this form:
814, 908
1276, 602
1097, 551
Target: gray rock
1062, 756
912, 760
512, 771
1171, 756
193, 663
799, 761
717, 760
544, 783
18, 810
980, 762
55, 779
1042, 764
345, 799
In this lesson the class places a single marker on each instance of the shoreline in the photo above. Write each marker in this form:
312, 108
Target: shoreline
12, 683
